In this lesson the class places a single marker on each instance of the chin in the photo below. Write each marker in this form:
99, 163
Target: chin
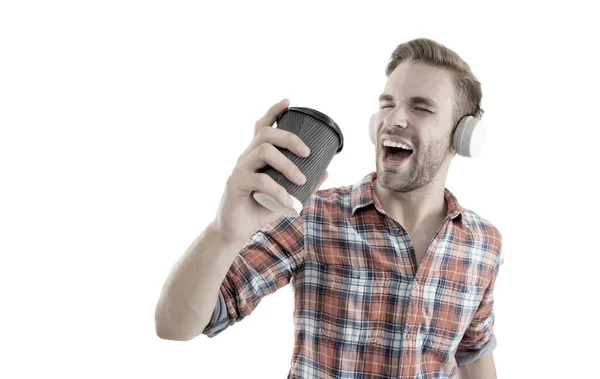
402, 182
391, 180
397, 186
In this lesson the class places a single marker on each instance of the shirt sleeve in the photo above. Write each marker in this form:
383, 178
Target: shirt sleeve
479, 339
268, 262
219, 320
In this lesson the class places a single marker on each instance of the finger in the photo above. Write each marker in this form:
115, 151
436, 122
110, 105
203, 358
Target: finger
248, 182
278, 138
321, 181
271, 116
263, 183
267, 154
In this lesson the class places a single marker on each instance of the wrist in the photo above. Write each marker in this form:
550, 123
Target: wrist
215, 232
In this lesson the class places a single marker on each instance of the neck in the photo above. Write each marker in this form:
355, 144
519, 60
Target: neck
424, 206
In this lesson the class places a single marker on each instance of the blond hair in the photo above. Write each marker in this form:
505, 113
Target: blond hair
468, 88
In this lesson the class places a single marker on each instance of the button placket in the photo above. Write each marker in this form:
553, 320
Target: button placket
413, 319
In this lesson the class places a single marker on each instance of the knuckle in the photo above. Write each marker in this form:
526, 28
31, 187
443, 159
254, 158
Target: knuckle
288, 137
260, 129
236, 175
293, 168
262, 132
264, 149
231, 180
297, 140
295, 171
240, 162
263, 180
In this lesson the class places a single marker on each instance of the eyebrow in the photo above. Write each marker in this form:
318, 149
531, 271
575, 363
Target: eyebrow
413, 100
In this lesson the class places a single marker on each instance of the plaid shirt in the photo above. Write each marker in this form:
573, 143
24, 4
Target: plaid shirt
362, 307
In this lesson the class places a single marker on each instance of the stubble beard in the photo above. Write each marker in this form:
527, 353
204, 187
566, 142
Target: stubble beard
422, 168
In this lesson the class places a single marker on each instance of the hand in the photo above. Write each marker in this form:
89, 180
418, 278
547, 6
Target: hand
239, 215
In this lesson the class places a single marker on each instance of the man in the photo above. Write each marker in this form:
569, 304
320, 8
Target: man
392, 277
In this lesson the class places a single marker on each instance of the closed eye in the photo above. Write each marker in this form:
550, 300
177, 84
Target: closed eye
419, 109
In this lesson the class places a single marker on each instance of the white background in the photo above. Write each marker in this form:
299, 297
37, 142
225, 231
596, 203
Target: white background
121, 121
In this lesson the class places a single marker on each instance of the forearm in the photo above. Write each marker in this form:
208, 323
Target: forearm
190, 293
483, 368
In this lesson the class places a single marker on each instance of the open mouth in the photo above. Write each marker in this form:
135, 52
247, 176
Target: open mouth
396, 154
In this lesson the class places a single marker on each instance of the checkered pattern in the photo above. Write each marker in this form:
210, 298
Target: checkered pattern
362, 309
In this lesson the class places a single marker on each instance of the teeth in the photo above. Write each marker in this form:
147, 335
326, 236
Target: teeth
395, 144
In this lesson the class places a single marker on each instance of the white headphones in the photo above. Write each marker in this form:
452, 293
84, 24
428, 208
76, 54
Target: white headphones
468, 137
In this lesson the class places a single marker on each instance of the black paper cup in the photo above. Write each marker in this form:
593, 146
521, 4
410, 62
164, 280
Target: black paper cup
324, 138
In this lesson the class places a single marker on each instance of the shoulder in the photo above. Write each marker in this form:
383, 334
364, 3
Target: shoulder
484, 233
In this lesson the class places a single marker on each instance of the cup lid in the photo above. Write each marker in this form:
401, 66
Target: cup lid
321, 117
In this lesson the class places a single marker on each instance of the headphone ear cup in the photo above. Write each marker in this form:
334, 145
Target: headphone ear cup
372, 127
469, 137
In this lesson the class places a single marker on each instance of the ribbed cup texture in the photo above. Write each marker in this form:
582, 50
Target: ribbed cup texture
323, 142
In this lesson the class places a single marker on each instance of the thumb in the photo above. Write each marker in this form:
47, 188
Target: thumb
271, 116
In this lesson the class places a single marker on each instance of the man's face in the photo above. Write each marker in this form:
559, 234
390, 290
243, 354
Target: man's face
424, 127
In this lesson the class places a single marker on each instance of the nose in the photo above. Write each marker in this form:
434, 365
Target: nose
396, 117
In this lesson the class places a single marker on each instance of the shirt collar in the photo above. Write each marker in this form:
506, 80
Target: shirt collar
363, 194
